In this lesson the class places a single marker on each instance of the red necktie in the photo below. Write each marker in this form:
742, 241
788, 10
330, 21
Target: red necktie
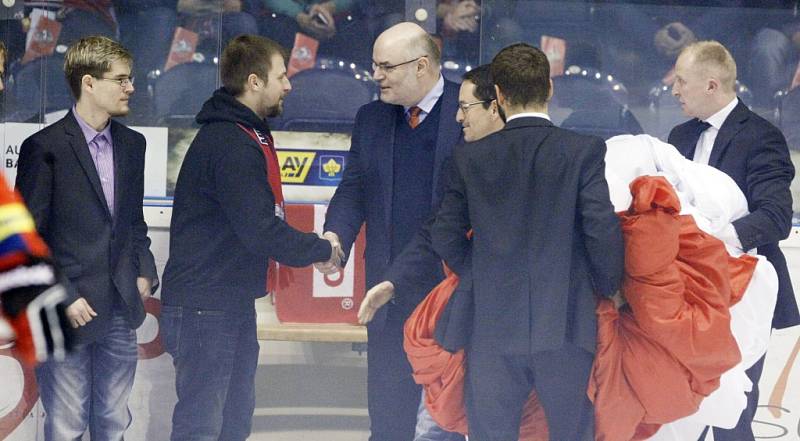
413, 116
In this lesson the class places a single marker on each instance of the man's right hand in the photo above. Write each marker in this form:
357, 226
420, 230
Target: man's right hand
80, 313
334, 264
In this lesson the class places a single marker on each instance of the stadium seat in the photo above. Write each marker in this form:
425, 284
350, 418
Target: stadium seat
179, 93
326, 98
594, 103
37, 86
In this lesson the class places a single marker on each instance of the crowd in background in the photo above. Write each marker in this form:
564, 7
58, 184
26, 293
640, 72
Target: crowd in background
634, 40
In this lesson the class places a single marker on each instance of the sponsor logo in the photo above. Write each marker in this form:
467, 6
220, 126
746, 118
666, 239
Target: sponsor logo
331, 167
295, 165
347, 303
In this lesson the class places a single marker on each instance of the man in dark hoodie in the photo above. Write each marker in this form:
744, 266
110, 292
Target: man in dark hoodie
227, 227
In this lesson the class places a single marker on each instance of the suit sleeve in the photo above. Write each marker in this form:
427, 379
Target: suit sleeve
141, 242
600, 225
34, 183
418, 259
449, 229
249, 205
346, 209
769, 176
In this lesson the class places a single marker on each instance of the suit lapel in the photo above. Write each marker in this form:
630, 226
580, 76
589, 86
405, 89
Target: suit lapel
732, 125
387, 159
78, 143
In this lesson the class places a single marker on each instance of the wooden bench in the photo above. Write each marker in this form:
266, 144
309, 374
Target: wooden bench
332, 333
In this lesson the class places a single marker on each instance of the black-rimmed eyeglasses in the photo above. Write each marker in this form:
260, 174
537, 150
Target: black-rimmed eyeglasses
387, 68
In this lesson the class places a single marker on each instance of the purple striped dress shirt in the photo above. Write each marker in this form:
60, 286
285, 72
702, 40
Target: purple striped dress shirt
101, 147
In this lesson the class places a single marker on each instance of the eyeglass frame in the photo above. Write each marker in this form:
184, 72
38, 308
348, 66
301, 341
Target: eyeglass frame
464, 107
122, 82
389, 68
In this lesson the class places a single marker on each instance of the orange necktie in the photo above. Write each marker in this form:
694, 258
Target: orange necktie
413, 116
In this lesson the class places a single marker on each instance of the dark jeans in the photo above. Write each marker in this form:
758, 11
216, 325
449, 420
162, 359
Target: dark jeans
91, 387
215, 354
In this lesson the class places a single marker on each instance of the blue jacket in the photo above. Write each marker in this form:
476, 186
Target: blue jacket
365, 196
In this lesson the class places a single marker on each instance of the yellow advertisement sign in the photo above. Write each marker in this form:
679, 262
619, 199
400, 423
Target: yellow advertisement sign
295, 165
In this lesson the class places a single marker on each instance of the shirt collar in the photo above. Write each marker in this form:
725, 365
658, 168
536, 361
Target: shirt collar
718, 118
88, 131
528, 115
427, 103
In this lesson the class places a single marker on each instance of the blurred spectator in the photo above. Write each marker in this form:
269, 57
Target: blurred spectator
774, 50
457, 25
338, 25
146, 28
216, 22
79, 18
652, 33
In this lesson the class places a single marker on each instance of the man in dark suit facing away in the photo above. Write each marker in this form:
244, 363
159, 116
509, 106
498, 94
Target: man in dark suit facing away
83, 180
546, 243
393, 170
726, 135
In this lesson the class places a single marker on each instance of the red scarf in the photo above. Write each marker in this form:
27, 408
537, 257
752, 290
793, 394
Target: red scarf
267, 145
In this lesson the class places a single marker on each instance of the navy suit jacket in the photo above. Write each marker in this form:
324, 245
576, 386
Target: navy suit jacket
546, 238
101, 255
365, 196
754, 153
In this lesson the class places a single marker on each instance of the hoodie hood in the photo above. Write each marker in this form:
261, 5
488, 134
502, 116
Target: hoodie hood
223, 107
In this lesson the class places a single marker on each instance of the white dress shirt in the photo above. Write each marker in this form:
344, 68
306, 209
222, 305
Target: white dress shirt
528, 115
702, 154
429, 100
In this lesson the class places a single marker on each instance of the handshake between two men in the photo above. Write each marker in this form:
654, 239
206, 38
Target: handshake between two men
376, 297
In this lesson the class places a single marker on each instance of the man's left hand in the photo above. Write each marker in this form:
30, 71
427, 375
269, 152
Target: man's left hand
376, 297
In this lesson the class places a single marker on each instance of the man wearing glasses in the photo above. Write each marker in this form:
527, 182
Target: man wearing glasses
392, 171
83, 181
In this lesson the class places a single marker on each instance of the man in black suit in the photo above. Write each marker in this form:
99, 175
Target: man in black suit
398, 147
726, 135
83, 180
546, 243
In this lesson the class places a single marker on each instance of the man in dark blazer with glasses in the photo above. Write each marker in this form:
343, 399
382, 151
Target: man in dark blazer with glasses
546, 243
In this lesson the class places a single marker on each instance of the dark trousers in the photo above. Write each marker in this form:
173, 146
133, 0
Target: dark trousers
393, 397
215, 354
497, 388
743, 430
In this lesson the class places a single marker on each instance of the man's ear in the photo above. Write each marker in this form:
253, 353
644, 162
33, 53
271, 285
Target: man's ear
252, 81
550, 92
712, 85
422, 66
501, 99
87, 82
